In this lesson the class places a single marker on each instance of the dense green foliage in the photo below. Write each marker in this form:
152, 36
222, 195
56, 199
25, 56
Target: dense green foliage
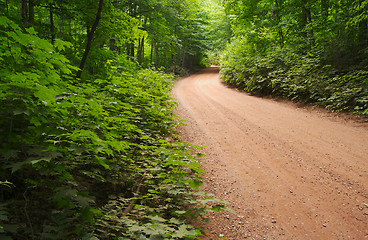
311, 51
218, 30
88, 147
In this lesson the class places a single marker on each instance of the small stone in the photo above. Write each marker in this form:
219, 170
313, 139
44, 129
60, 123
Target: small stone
273, 221
324, 225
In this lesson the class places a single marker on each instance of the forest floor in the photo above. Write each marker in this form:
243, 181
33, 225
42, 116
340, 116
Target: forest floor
287, 171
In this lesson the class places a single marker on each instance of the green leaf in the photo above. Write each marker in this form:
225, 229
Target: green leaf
60, 45
184, 232
218, 208
195, 184
45, 94
157, 218
20, 111
101, 161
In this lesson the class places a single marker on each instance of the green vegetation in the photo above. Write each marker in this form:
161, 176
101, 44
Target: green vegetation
310, 51
88, 147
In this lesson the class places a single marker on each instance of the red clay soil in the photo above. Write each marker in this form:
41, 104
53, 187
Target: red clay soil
288, 172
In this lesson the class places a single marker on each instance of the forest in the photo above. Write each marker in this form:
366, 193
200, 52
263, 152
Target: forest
89, 148
88, 145
305, 50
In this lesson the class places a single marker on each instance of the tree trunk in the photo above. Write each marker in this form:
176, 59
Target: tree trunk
52, 27
173, 59
140, 53
24, 11
7, 8
152, 47
278, 17
306, 20
31, 12
183, 60
90, 36
156, 55
363, 34
362, 30
70, 28
132, 53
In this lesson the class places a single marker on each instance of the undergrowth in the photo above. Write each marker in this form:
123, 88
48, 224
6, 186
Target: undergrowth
90, 159
304, 78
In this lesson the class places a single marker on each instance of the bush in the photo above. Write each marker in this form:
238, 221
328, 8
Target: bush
89, 159
298, 77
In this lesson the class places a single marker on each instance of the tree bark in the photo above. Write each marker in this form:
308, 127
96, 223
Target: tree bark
156, 55
152, 47
140, 53
278, 17
307, 19
31, 12
52, 27
24, 11
90, 36
363, 34
173, 59
132, 53
362, 31
7, 8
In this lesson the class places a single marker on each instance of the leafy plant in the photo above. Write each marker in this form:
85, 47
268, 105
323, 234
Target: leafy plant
91, 159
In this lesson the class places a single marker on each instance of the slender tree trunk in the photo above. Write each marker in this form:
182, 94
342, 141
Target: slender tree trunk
142, 51
280, 32
307, 19
132, 52
90, 36
152, 47
184, 59
362, 31
173, 59
52, 27
24, 11
70, 27
139, 51
31, 12
127, 50
156, 55
363, 34
7, 8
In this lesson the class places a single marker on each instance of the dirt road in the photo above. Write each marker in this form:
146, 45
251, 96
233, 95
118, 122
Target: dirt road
288, 172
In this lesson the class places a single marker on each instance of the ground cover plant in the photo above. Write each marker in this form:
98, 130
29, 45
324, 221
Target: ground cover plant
90, 158
310, 51
300, 78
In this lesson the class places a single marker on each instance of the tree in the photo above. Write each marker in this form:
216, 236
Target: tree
90, 36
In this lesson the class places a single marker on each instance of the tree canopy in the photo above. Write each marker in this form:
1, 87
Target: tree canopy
88, 147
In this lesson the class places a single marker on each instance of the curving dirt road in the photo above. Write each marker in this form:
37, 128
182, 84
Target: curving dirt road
289, 172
